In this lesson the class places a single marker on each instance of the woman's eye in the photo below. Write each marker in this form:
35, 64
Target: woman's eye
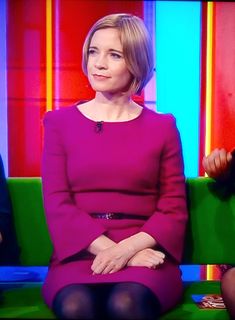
116, 55
91, 51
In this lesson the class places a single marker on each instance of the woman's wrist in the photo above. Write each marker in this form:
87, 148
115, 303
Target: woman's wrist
99, 244
138, 242
128, 247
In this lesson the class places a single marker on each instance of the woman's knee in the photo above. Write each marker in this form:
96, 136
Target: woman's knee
228, 280
132, 301
228, 291
74, 302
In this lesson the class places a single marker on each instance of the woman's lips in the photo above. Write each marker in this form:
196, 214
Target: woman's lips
100, 77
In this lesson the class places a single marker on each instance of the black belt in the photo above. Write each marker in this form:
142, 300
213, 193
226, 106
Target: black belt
117, 215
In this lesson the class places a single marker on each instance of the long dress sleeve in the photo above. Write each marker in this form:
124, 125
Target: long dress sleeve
71, 229
167, 224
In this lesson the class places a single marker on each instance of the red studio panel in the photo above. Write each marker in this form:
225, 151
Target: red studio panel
27, 68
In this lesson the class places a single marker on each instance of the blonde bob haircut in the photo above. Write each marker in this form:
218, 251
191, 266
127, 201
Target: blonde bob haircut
137, 47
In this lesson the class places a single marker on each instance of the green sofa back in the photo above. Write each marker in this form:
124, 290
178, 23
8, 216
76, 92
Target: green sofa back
29, 219
211, 228
210, 235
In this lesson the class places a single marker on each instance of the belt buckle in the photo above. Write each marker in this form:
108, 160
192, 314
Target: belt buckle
109, 215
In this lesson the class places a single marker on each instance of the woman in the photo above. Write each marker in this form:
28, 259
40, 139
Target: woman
220, 165
114, 188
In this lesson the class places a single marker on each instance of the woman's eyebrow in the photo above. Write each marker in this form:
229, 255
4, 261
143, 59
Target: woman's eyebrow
111, 49
116, 50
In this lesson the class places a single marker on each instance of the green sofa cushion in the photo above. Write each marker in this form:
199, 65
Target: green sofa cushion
188, 310
24, 301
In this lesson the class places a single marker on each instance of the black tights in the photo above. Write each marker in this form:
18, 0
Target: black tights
106, 301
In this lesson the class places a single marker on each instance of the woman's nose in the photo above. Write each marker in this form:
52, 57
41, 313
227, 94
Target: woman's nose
100, 62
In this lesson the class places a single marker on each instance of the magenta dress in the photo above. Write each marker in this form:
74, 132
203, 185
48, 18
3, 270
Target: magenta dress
133, 167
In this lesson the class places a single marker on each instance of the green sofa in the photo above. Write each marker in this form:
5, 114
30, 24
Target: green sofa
210, 239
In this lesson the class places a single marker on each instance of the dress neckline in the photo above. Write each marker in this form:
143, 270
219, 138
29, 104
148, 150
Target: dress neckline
114, 122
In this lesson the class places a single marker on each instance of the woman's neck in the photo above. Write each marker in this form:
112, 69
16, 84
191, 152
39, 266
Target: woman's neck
114, 109
118, 108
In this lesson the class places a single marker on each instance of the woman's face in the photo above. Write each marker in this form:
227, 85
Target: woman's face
106, 67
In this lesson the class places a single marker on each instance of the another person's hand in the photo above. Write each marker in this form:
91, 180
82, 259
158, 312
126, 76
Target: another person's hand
217, 163
149, 258
112, 259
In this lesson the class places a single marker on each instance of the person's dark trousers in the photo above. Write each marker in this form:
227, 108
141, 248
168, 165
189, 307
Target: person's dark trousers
9, 250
